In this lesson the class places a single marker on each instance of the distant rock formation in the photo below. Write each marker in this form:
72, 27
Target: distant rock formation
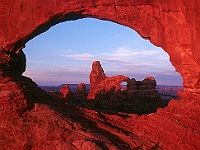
132, 85
143, 90
100, 83
104, 87
65, 92
148, 83
81, 93
109, 85
97, 74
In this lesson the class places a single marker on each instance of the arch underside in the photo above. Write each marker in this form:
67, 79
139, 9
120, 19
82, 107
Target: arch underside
165, 24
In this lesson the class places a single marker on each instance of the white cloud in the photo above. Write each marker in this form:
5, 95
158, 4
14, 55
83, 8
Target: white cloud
126, 58
127, 52
81, 56
133, 63
36, 62
115, 37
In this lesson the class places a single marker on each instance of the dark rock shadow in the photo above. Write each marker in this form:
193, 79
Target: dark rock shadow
71, 112
120, 103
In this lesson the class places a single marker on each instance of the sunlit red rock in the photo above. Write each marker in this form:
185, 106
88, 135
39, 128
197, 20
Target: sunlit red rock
100, 83
172, 25
32, 120
97, 74
104, 87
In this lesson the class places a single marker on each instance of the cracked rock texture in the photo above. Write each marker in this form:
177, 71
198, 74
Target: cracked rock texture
172, 25
31, 119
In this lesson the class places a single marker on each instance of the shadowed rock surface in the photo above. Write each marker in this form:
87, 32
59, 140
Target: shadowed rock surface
32, 119
106, 94
81, 93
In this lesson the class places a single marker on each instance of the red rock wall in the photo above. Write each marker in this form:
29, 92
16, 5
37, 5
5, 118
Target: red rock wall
172, 25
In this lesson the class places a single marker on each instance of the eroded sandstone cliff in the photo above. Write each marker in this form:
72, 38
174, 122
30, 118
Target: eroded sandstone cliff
172, 25
30, 119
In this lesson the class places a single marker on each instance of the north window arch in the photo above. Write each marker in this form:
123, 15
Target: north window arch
170, 30
71, 47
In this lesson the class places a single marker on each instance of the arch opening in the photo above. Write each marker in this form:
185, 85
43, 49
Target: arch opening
173, 25
123, 86
139, 53
153, 27
67, 61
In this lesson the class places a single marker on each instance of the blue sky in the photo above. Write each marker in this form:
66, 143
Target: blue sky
64, 54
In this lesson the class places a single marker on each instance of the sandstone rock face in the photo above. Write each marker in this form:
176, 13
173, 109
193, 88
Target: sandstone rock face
13, 97
97, 74
109, 85
100, 83
29, 119
20, 62
172, 25
131, 85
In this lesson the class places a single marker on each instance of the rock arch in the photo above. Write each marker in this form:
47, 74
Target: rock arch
172, 25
